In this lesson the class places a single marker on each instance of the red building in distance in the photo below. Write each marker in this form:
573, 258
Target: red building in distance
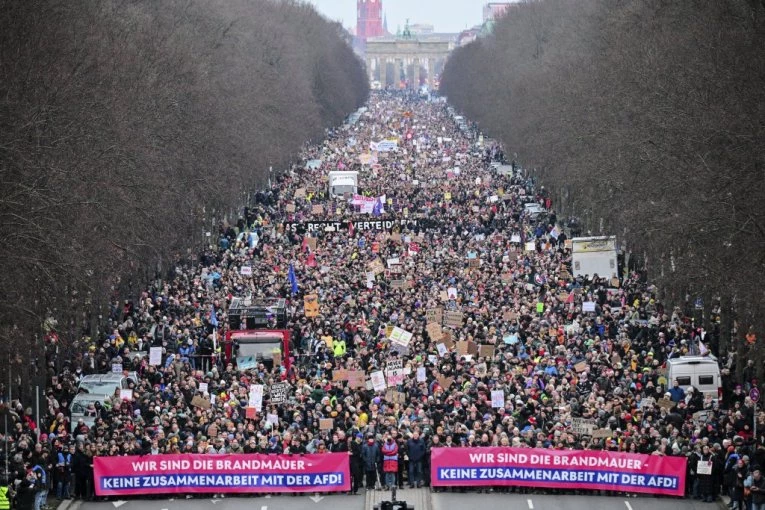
369, 20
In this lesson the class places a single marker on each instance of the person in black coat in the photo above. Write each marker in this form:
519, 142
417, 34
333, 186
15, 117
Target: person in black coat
416, 449
371, 455
357, 463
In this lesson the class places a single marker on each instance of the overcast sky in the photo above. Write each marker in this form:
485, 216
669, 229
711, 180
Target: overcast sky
444, 15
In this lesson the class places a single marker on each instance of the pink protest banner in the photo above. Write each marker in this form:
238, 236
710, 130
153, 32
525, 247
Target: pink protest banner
194, 474
558, 469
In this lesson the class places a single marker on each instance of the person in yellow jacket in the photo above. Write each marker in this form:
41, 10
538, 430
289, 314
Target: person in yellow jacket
5, 497
338, 347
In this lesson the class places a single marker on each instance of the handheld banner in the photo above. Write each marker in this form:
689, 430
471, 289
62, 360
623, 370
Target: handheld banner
558, 469
190, 473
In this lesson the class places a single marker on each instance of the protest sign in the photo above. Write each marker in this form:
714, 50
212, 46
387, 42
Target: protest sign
434, 331
558, 469
135, 475
126, 394
442, 350
583, 426
453, 319
251, 413
395, 377
202, 402
340, 375
155, 356
665, 403
279, 392
203, 387
311, 305
290, 208
245, 270
256, 397
445, 382
486, 351
497, 399
400, 336
326, 423
246, 362
602, 433
395, 397
116, 368
581, 366
421, 374
378, 380
317, 209
376, 267
356, 378
588, 306
434, 315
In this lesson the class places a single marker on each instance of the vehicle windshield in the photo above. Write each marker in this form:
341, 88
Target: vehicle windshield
260, 348
100, 387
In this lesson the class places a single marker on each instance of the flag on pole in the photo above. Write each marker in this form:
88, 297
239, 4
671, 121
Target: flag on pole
351, 229
292, 279
213, 316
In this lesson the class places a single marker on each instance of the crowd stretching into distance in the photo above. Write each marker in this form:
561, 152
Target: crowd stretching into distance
460, 234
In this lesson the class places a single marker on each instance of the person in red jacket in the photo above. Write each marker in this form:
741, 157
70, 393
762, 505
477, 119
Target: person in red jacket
390, 461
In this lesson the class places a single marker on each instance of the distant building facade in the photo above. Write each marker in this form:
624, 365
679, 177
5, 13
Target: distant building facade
493, 10
369, 19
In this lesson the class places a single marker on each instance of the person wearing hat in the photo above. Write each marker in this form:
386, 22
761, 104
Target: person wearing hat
370, 454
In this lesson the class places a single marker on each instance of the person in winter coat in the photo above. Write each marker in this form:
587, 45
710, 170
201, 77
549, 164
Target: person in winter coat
416, 448
370, 453
390, 461
758, 490
357, 463
705, 474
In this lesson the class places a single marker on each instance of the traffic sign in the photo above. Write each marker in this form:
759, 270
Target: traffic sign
754, 394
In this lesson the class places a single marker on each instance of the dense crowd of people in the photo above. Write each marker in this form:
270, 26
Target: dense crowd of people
461, 236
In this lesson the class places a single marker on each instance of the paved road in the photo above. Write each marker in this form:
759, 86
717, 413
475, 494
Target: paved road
448, 501
343, 502
439, 501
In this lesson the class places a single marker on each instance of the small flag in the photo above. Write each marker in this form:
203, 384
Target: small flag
351, 229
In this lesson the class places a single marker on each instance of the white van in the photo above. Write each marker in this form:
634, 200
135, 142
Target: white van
701, 372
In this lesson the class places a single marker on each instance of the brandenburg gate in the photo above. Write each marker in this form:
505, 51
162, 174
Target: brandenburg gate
409, 52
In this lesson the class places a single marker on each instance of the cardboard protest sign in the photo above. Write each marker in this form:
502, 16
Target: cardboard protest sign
279, 392
474, 263
202, 402
300, 193
317, 209
602, 433
434, 314
311, 242
462, 348
486, 351
434, 331
581, 366
276, 357
326, 423
340, 375
398, 284
376, 266
481, 370
665, 403
453, 319
290, 208
583, 426
447, 338
588, 306
311, 305
356, 378
445, 382
395, 397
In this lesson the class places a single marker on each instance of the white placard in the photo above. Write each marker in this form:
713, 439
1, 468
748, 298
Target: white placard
442, 350
116, 368
256, 397
497, 399
704, 467
203, 387
272, 418
126, 394
155, 356
421, 374
530, 246
246, 270
588, 306
378, 380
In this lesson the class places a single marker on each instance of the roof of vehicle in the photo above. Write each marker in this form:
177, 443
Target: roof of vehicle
693, 360
103, 377
90, 397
